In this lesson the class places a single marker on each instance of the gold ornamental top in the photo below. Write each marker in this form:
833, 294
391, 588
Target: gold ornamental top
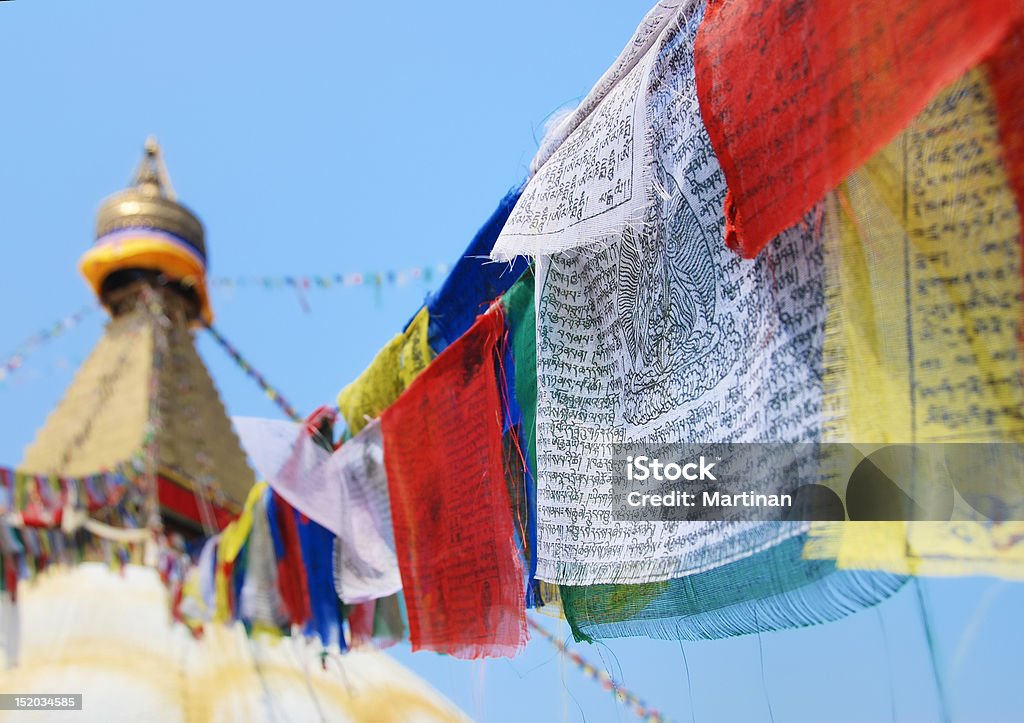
145, 232
151, 203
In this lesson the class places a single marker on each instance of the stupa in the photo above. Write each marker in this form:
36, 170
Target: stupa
144, 396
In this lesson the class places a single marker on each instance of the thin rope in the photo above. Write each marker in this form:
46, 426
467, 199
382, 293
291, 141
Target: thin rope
272, 393
932, 652
888, 664
17, 360
764, 681
377, 279
250, 371
689, 684
622, 694
268, 698
977, 618
303, 664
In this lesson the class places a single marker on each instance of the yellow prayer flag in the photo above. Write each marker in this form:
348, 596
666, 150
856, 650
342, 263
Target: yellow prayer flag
390, 372
923, 248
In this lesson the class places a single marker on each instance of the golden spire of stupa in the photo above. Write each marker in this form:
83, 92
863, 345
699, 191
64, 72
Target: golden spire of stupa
144, 228
144, 392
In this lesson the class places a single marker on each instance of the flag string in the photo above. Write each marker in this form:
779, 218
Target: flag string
254, 374
16, 360
375, 279
623, 695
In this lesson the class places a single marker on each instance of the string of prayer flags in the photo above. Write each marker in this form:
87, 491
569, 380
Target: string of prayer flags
473, 282
399, 277
833, 82
250, 371
888, 276
40, 499
273, 569
461, 576
659, 334
622, 694
17, 360
390, 372
345, 492
63, 538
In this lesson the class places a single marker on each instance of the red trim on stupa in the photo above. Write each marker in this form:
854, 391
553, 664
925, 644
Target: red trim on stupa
182, 502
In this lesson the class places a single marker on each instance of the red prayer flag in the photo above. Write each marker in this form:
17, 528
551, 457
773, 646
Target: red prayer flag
291, 570
796, 95
1006, 76
461, 574
11, 577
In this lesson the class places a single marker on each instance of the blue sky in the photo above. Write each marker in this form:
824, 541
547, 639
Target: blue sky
323, 137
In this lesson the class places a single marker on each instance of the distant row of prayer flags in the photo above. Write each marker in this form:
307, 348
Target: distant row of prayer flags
389, 493
397, 277
375, 279
17, 360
